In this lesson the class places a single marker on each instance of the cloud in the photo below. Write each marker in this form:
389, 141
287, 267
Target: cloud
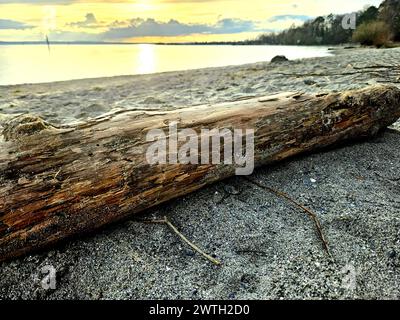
89, 22
234, 26
121, 30
151, 27
289, 17
12, 24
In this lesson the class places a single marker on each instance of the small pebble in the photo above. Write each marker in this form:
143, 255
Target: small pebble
309, 82
232, 189
189, 253
392, 254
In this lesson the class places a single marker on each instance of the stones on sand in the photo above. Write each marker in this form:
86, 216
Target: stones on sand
309, 82
279, 59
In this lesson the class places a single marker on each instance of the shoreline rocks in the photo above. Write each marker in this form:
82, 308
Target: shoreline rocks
279, 59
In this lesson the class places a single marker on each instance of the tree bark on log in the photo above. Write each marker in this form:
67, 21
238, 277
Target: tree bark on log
60, 182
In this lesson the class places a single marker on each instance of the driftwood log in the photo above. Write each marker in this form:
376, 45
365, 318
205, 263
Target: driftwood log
60, 182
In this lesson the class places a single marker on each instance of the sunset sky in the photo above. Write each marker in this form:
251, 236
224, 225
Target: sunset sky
158, 20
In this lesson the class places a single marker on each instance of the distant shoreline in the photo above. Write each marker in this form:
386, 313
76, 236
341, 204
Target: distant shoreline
6, 43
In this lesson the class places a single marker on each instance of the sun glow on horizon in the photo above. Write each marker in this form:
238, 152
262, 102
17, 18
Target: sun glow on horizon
145, 5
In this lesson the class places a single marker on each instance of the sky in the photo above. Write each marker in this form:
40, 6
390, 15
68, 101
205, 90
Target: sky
159, 20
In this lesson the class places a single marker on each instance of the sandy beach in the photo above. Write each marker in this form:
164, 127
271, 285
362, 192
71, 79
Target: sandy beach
268, 248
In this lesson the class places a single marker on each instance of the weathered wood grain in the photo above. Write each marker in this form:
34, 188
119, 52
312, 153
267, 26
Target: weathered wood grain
60, 182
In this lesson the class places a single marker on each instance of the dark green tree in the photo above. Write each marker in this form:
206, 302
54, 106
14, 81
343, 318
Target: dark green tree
389, 12
371, 14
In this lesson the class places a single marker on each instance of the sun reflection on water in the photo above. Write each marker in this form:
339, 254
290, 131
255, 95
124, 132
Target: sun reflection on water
146, 60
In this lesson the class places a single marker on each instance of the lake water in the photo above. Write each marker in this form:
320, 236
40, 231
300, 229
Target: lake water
35, 64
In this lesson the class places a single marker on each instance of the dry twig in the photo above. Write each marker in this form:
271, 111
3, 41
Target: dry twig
191, 244
312, 215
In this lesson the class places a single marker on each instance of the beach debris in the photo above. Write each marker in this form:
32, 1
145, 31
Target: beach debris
278, 59
48, 43
310, 213
232, 190
166, 221
309, 82
219, 197
105, 173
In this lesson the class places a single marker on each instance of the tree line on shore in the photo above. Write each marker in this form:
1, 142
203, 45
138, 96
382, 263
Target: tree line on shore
374, 26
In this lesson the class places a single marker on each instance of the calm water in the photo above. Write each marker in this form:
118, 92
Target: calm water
33, 63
